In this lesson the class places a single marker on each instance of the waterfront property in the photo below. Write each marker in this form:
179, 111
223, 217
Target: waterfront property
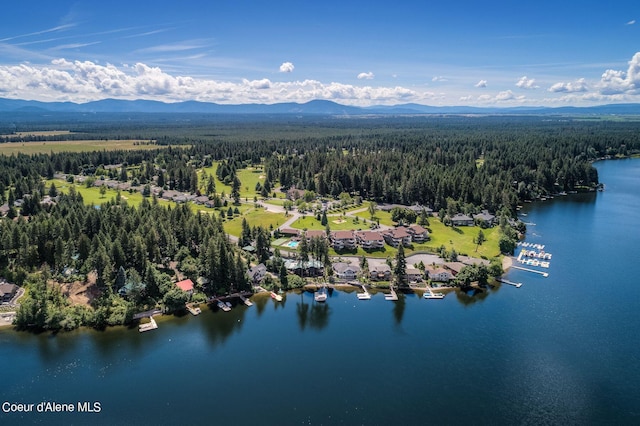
7, 291
345, 271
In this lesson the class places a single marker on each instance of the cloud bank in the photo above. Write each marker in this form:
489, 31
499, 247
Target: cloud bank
83, 81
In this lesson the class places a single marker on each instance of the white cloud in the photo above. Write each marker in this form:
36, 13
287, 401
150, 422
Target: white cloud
439, 78
481, 84
366, 76
631, 22
526, 83
286, 67
579, 85
616, 82
78, 81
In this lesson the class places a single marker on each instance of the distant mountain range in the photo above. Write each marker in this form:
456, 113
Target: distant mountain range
317, 107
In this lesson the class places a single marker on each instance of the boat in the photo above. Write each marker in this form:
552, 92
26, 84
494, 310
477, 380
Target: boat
248, 302
223, 306
364, 296
321, 295
229, 305
276, 297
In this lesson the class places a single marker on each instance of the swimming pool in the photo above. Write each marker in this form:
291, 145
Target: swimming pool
292, 244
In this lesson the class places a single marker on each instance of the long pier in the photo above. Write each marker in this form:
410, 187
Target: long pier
544, 274
516, 285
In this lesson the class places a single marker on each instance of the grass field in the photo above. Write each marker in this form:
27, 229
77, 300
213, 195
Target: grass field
249, 177
462, 239
30, 148
255, 217
38, 133
311, 223
92, 195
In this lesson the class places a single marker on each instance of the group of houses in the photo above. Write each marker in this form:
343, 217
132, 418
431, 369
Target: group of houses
376, 271
368, 240
484, 217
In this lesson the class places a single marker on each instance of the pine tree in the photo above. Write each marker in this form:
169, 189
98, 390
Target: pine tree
400, 269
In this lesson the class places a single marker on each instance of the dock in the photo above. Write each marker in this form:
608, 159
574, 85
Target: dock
152, 325
194, 310
429, 294
393, 296
516, 285
246, 301
544, 274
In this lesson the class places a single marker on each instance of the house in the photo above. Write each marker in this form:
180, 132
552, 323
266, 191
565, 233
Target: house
185, 285
4, 209
418, 233
294, 193
341, 240
454, 267
370, 240
315, 234
201, 199
397, 236
345, 271
413, 274
486, 217
7, 291
169, 194
381, 272
461, 220
438, 273
311, 268
289, 232
257, 273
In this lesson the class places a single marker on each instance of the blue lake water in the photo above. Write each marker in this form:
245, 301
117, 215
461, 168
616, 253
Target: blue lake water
562, 349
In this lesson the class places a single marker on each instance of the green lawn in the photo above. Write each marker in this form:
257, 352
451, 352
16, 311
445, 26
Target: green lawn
383, 217
92, 195
310, 222
249, 177
461, 239
255, 217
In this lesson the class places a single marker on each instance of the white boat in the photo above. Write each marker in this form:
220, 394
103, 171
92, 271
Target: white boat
321, 295
276, 297
223, 306
364, 296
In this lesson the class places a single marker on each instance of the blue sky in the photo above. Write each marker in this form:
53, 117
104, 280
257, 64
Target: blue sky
359, 53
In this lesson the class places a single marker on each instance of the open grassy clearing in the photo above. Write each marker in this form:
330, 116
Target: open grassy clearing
30, 148
311, 223
92, 195
461, 238
254, 217
383, 217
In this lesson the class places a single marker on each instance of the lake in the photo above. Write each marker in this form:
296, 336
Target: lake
562, 349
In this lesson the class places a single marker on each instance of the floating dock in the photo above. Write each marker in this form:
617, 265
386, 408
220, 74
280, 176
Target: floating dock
393, 296
429, 294
194, 310
516, 285
246, 301
544, 274
152, 325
